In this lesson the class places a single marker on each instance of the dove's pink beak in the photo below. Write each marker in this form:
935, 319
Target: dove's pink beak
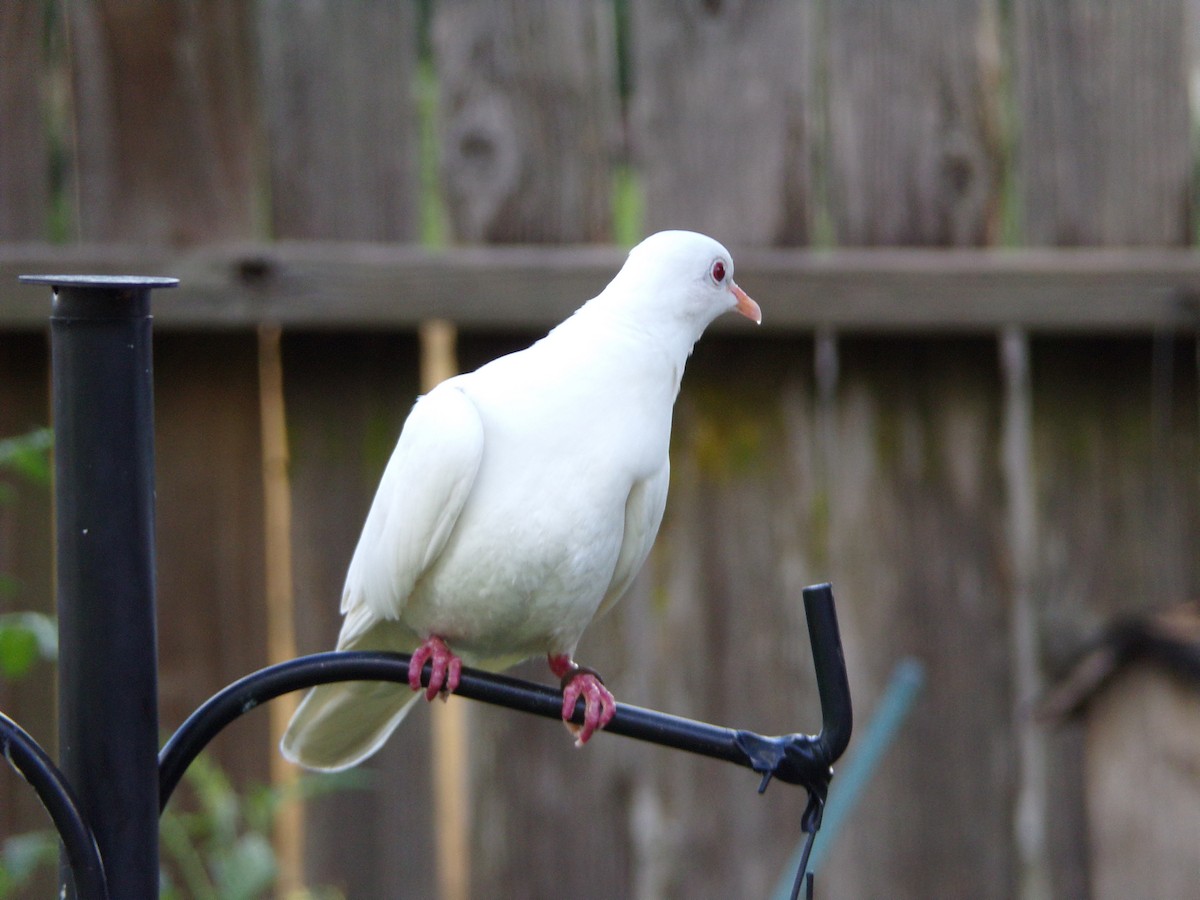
745, 305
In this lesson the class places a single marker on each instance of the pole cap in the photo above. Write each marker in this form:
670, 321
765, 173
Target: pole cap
101, 282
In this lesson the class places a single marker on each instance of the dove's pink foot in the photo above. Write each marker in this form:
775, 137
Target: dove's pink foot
446, 667
579, 681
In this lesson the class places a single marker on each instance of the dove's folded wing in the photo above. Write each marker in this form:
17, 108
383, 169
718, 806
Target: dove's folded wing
422, 492
643, 514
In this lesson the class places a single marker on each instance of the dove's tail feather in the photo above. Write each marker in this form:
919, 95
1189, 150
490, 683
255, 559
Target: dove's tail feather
339, 725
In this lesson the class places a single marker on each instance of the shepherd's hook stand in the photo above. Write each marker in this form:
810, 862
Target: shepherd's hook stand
106, 798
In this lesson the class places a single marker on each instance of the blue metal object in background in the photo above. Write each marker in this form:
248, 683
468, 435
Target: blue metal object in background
908, 678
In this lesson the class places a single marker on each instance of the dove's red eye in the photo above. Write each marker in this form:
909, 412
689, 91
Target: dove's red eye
718, 271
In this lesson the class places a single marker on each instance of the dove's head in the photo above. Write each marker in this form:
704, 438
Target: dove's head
682, 275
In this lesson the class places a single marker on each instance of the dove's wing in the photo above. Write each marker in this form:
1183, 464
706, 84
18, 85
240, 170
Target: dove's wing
423, 491
643, 514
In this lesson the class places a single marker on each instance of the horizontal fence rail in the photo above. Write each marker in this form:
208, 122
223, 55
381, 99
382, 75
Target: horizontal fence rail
323, 285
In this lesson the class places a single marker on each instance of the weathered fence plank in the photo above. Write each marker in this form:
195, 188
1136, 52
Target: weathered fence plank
209, 532
723, 122
915, 548
338, 97
347, 396
1104, 157
26, 567
1104, 152
914, 122
164, 119
25, 174
527, 100
1031, 805
1109, 544
716, 629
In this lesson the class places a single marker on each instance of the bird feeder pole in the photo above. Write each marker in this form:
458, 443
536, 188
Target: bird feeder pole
103, 408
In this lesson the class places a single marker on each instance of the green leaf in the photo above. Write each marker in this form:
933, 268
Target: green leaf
247, 869
28, 455
22, 855
223, 849
18, 652
26, 638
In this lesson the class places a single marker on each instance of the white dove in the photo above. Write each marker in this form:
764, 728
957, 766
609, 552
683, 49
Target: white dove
521, 500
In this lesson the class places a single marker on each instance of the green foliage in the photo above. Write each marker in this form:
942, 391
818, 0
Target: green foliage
628, 207
22, 856
221, 850
26, 638
28, 457
213, 853
218, 850
434, 227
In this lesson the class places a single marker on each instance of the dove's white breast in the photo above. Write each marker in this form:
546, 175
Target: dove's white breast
534, 549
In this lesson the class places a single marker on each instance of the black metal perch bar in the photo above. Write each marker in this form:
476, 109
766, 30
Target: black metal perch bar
106, 799
795, 758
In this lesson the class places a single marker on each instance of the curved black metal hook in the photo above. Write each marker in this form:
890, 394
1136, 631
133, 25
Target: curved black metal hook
794, 758
30, 761
801, 759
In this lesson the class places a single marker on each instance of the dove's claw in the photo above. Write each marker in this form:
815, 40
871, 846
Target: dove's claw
579, 681
447, 668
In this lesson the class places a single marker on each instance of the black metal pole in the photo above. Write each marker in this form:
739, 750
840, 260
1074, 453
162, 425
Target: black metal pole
103, 407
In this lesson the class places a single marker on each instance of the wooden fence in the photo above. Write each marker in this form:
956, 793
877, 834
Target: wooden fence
972, 406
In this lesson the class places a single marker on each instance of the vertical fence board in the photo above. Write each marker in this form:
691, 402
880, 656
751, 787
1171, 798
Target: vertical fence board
723, 121
1103, 157
340, 112
26, 567
914, 137
1104, 153
164, 120
915, 544
338, 85
24, 176
1031, 802
209, 533
346, 398
718, 632
528, 116
1101, 475
915, 534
